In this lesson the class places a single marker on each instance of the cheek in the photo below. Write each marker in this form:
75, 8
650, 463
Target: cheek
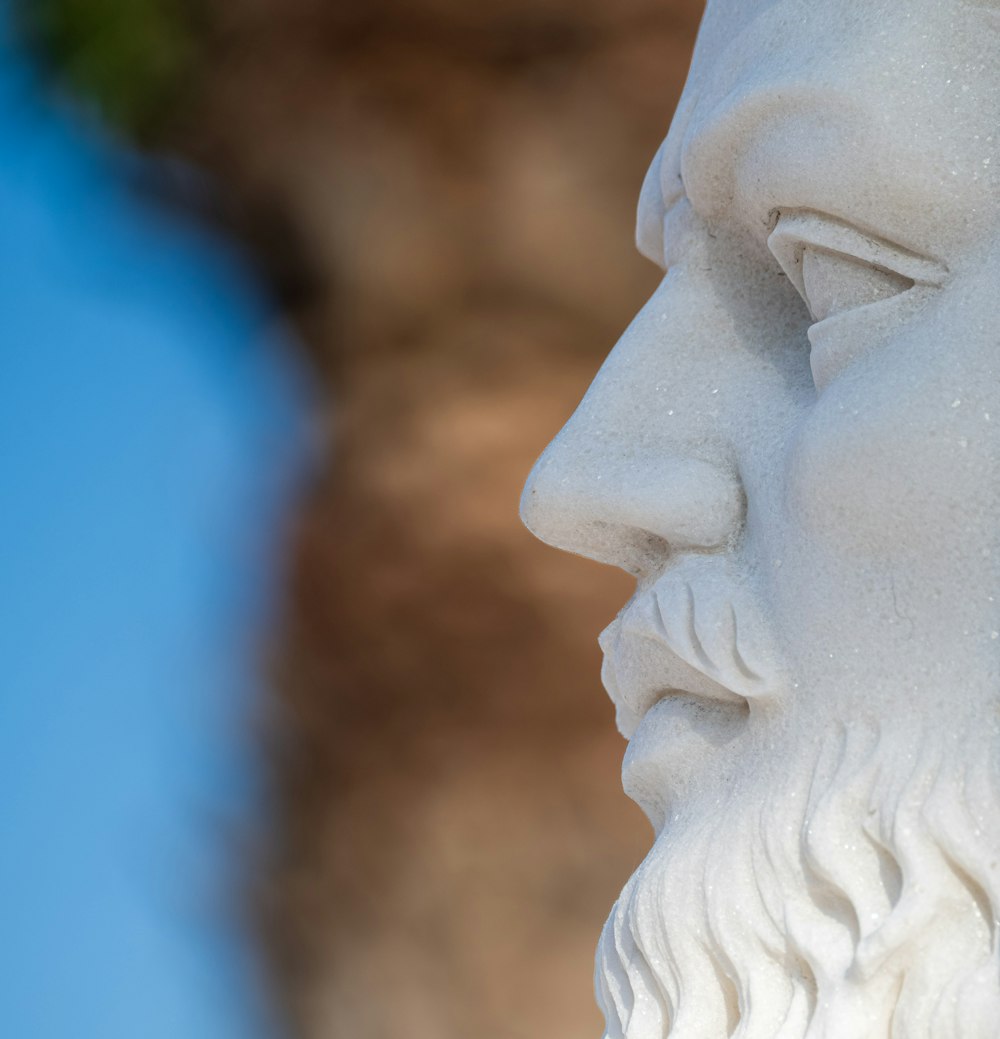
898, 460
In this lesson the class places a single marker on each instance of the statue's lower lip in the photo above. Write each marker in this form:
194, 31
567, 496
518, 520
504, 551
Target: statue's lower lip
640, 704
697, 701
677, 739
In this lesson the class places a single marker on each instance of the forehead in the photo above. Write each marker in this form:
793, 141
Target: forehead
866, 106
738, 34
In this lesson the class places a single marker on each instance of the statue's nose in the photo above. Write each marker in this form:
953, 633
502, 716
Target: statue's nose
585, 496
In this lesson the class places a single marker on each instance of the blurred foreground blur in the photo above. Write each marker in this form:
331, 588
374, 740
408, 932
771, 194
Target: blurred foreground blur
443, 196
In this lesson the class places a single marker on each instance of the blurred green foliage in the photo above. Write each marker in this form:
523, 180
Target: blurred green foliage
132, 59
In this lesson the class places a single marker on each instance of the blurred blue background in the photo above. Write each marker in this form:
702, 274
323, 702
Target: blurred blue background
150, 420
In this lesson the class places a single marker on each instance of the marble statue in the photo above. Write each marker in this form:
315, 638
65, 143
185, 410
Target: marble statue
794, 449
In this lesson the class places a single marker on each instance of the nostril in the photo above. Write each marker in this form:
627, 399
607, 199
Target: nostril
631, 512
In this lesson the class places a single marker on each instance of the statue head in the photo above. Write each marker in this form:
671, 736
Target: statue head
794, 448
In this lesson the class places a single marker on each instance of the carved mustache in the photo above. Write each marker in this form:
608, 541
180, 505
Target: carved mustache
697, 631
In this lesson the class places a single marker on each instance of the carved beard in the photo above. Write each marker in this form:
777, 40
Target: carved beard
859, 902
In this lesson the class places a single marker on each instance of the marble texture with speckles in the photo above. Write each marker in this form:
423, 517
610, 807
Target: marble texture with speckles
793, 448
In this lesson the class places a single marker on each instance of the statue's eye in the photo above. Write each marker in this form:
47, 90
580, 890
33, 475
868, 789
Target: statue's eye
850, 282
833, 283
837, 268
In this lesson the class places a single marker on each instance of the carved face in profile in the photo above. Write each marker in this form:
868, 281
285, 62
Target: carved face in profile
794, 448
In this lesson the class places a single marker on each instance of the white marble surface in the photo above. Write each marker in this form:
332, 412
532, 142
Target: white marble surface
793, 448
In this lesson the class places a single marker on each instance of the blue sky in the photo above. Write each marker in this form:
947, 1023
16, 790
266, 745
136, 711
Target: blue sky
149, 442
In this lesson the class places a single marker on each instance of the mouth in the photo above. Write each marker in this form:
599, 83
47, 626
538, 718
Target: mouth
686, 639
638, 678
685, 662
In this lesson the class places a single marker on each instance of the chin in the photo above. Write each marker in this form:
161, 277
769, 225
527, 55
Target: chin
850, 890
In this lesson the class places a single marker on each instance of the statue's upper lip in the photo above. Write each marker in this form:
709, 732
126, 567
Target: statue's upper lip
702, 638
662, 674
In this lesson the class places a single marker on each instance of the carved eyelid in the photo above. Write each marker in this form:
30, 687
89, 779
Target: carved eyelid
797, 230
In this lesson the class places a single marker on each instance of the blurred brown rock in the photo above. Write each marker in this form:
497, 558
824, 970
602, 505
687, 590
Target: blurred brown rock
446, 191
